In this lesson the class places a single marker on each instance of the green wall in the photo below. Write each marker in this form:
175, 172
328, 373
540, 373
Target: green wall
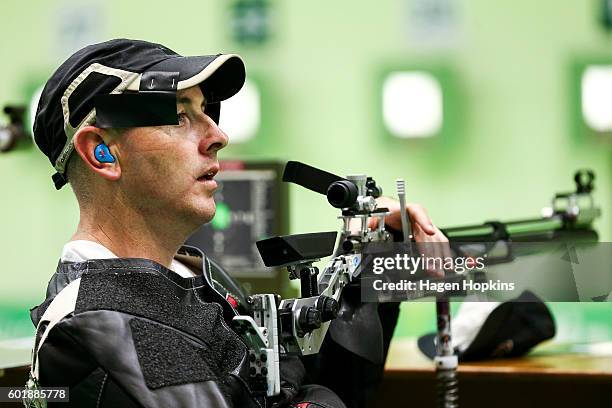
510, 147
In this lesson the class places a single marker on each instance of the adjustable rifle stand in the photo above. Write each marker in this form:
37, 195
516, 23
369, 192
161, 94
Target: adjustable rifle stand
445, 360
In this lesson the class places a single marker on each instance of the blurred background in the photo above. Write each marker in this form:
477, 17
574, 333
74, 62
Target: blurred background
485, 108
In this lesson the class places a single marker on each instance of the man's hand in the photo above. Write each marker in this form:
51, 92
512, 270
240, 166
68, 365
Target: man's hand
435, 243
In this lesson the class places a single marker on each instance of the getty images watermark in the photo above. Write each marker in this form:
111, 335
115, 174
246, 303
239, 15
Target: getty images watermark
487, 271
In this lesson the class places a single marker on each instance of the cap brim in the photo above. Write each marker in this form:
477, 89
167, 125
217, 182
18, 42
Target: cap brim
221, 76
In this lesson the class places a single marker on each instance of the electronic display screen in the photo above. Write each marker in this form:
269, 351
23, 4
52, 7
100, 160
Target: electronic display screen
246, 212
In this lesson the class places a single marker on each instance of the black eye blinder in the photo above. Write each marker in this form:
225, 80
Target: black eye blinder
213, 110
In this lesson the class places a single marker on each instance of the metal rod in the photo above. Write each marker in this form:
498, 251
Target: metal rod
445, 360
401, 192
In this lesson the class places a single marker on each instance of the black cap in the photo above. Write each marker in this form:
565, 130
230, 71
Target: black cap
511, 329
69, 98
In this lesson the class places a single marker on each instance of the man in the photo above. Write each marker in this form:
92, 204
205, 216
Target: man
132, 318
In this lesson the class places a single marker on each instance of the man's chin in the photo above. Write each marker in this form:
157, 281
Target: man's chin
198, 211
205, 215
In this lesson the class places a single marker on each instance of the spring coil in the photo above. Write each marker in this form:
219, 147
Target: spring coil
448, 388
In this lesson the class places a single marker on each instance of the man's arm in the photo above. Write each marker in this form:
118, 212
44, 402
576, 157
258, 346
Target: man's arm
354, 378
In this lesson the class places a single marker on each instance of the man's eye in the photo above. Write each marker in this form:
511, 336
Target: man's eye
182, 117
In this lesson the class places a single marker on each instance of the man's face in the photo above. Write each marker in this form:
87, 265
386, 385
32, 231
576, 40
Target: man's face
167, 171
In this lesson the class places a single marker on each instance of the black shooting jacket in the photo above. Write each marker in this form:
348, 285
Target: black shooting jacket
143, 336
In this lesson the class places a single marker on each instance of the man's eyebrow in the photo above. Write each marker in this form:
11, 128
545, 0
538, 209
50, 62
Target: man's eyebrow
185, 100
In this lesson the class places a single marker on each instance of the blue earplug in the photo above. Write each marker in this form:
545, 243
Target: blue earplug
103, 154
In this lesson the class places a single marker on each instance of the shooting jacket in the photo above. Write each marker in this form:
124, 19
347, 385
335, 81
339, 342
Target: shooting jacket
142, 336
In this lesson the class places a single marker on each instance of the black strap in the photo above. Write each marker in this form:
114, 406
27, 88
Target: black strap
59, 180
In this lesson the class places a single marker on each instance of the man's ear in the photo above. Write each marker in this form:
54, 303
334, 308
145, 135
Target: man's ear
85, 142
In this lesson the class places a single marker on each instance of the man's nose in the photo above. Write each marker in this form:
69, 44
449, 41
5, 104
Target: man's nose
214, 138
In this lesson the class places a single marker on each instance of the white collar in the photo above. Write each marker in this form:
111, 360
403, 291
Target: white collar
82, 250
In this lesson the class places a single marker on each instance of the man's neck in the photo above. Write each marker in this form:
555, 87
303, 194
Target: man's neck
130, 235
